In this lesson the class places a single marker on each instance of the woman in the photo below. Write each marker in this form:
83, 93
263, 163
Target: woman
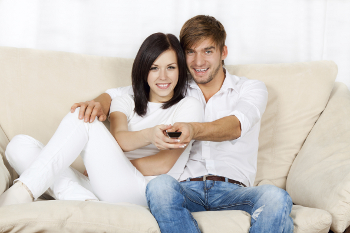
138, 122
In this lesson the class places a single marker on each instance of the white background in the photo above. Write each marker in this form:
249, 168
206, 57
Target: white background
269, 31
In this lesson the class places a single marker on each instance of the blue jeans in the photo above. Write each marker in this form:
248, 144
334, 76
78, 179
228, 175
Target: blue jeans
171, 202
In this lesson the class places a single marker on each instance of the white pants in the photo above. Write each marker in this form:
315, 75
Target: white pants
112, 177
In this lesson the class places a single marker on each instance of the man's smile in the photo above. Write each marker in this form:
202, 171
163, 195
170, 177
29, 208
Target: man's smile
201, 71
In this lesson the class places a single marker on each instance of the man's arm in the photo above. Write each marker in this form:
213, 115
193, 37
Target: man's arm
223, 129
97, 107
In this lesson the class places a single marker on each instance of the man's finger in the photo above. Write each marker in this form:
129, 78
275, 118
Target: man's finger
102, 117
93, 115
74, 106
88, 112
82, 111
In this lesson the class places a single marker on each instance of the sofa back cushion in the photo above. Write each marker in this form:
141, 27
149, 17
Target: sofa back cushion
298, 93
38, 88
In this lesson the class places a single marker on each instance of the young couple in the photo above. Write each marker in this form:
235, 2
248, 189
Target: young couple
136, 162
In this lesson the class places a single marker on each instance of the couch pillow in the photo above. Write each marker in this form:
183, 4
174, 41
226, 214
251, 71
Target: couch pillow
298, 93
320, 174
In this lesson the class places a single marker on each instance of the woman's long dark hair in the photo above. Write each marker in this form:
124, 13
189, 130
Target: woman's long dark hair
151, 48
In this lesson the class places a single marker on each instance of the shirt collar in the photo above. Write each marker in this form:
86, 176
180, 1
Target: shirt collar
230, 82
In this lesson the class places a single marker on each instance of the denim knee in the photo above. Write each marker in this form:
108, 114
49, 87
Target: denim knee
279, 198
161, 186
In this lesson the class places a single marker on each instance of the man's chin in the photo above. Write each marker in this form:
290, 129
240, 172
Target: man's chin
201, 79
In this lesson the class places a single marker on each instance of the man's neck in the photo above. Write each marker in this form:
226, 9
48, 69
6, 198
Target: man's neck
211, 88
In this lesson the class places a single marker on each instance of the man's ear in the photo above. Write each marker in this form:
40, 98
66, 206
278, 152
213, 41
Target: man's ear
224, 53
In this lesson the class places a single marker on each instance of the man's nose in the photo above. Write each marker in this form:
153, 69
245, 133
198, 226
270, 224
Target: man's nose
199, 60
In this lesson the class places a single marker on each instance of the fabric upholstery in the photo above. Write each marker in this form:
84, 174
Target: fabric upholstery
320, 175
310, 220
5, 168
298, 93
76, 216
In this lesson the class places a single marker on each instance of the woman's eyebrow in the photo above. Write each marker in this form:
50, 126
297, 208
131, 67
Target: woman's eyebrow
172, 63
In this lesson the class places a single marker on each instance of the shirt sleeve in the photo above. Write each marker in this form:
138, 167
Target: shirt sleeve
120, 91
124, 104
251, 104
189, 110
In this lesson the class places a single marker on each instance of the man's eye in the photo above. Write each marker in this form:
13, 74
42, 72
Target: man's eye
189, 52
208, 52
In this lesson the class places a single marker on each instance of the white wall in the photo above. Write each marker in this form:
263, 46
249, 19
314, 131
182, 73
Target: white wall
269, 31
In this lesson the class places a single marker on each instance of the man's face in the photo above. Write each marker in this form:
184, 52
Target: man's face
204, 61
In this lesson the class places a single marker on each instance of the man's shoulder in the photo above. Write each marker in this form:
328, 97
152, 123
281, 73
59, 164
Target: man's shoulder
241, 82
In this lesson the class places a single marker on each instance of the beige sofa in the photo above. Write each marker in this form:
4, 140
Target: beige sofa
304, 141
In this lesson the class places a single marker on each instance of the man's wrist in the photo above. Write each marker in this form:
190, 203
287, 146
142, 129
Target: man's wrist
195, 129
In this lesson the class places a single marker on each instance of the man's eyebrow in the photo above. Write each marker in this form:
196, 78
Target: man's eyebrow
210, 47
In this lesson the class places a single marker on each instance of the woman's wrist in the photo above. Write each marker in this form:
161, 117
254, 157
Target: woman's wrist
146, 133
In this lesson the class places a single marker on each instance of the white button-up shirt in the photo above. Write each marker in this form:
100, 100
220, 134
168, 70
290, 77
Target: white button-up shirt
236, 159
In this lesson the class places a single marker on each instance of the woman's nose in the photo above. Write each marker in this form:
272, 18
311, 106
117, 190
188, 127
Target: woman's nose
162, 74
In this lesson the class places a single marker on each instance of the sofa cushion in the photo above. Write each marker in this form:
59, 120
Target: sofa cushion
224, 221
298, 93
320, 174
76, 216
310, 220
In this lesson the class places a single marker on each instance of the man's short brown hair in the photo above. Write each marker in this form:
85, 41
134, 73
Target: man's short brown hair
202, 27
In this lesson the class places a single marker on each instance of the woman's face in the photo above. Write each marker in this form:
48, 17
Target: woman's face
163, 77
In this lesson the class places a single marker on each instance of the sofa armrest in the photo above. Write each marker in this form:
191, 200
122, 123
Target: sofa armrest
5, 177
320, 174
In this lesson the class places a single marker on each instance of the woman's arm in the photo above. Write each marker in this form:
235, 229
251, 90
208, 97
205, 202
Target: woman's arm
132, 140
157, 164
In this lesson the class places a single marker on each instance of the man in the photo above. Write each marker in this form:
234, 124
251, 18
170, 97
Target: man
221, 169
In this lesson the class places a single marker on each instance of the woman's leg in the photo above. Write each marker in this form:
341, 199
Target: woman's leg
113, 178
23, 150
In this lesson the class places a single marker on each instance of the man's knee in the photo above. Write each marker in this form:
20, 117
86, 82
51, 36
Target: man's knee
278, 197
162, 185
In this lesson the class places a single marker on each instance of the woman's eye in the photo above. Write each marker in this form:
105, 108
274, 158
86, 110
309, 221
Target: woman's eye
171, 67
154, 68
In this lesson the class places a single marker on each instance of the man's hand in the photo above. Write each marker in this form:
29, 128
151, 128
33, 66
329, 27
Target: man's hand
186, 129
89, 110
157, 137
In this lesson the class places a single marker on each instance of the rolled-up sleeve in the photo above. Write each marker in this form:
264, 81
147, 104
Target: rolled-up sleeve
120, 91
251, 104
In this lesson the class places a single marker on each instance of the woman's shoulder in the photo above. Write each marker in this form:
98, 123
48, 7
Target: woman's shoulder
124, 103
190, 101
124, 98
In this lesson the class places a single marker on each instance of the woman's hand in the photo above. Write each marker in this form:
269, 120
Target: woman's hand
157, 136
